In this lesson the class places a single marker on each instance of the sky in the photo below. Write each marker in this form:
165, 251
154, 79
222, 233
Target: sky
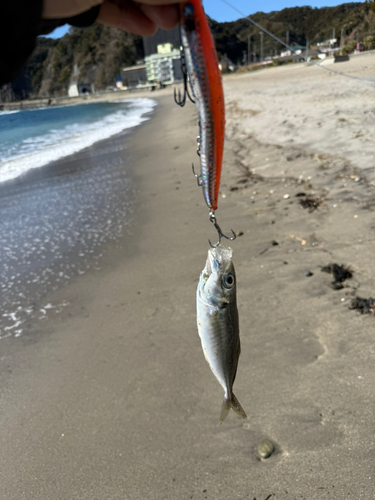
221, 12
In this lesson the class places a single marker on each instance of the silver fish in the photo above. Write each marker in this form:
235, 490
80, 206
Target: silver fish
217, 319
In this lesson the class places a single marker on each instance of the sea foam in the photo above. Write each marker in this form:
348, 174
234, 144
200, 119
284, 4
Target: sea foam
37, 151
12, 112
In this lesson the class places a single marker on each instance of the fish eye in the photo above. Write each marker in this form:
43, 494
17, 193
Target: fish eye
228, 281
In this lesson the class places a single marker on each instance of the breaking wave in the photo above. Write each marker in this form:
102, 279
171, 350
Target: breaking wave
41, 138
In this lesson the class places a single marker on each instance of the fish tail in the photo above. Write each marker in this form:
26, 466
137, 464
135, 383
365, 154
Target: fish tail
228, 403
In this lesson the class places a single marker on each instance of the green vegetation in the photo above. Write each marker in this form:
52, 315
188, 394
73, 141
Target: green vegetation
97, 54
30, 79
369, 42
94, 55
349, 48
300, 22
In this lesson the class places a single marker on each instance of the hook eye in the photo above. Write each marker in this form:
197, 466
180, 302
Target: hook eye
219, 231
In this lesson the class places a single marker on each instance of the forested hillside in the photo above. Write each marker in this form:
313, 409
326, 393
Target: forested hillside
301, 22
98, 53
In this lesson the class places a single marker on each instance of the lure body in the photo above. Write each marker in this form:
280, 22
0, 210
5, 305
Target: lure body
205, 79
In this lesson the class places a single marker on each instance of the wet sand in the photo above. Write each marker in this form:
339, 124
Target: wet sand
55, 223
112, 397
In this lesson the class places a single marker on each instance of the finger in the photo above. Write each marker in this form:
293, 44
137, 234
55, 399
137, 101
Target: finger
126, 16
164, 16
57, 9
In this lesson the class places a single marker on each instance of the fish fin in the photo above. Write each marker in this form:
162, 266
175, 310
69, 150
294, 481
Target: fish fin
231, 403
224, 409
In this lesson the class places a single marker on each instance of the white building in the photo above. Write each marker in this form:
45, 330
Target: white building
161, 67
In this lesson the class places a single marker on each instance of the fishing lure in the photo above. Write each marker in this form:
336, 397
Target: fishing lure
200, 66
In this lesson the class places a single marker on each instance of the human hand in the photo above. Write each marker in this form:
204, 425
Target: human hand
142, 17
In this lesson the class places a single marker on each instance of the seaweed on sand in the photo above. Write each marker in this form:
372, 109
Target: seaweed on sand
310, 202
339, 274
365, 306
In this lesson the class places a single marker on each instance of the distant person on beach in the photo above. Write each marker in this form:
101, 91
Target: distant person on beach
24, 20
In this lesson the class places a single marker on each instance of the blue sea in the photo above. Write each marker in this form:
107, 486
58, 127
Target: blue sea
65, 194
33, 138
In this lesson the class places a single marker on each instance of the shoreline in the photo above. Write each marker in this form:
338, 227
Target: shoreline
57, 263
48, 102
130, 93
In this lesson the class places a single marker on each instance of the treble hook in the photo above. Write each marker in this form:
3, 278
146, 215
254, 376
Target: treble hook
198, 177
178, 98
220, 232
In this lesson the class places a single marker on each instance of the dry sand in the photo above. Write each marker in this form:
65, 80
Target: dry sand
113, 399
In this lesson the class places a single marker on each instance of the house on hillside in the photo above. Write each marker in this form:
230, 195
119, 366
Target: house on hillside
327, 47
297, 49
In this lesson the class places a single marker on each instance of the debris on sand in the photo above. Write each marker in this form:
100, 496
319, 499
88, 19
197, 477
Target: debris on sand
249, 174
339, 274
366, 306
310, 202
247, 178
274, 243
266, 448
301, 240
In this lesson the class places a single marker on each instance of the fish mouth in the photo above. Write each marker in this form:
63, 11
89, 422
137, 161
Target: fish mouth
217, 259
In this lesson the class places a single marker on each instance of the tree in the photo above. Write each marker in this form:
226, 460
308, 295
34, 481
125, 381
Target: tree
349, 48
369, 42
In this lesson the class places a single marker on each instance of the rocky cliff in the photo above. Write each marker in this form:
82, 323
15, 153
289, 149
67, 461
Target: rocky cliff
96, 55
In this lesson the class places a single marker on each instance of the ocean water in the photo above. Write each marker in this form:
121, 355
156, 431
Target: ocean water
64, 195
32, 138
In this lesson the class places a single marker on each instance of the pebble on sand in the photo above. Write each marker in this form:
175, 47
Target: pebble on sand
266, 448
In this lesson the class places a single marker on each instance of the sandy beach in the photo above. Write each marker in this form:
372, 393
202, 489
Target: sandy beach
111, 398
